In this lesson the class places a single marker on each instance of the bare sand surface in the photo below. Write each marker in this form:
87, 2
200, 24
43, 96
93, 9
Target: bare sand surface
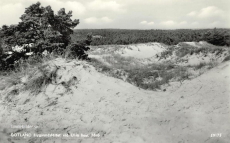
141, 51
198, 44
118, 111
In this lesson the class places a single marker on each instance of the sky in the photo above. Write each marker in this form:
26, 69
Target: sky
131, 14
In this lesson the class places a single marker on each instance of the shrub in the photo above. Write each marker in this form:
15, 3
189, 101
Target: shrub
77, 51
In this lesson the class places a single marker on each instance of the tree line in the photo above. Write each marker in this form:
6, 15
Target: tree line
220, 37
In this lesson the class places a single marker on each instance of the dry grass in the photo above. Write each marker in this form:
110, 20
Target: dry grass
100, 66
29, 74
37, 83
185, 49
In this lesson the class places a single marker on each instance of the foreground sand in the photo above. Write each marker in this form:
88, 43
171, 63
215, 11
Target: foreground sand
120, 112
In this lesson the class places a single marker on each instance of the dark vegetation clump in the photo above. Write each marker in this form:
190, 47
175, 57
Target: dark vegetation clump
217, 37
76, 51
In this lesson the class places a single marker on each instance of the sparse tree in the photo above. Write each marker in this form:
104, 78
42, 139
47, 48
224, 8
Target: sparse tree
40, 26
43, 29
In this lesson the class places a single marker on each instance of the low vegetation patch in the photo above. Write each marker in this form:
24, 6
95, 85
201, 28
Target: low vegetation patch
184, 49
150, 76
154, 75
28, 74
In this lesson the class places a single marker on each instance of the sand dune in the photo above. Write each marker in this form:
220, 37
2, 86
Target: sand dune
118, 111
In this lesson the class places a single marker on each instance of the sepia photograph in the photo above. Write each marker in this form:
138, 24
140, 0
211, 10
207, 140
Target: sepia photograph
114, 71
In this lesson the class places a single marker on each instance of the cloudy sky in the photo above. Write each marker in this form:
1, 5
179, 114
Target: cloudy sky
131, 14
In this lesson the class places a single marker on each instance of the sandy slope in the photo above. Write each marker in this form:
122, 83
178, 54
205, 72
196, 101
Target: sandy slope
141, 51
120, 112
